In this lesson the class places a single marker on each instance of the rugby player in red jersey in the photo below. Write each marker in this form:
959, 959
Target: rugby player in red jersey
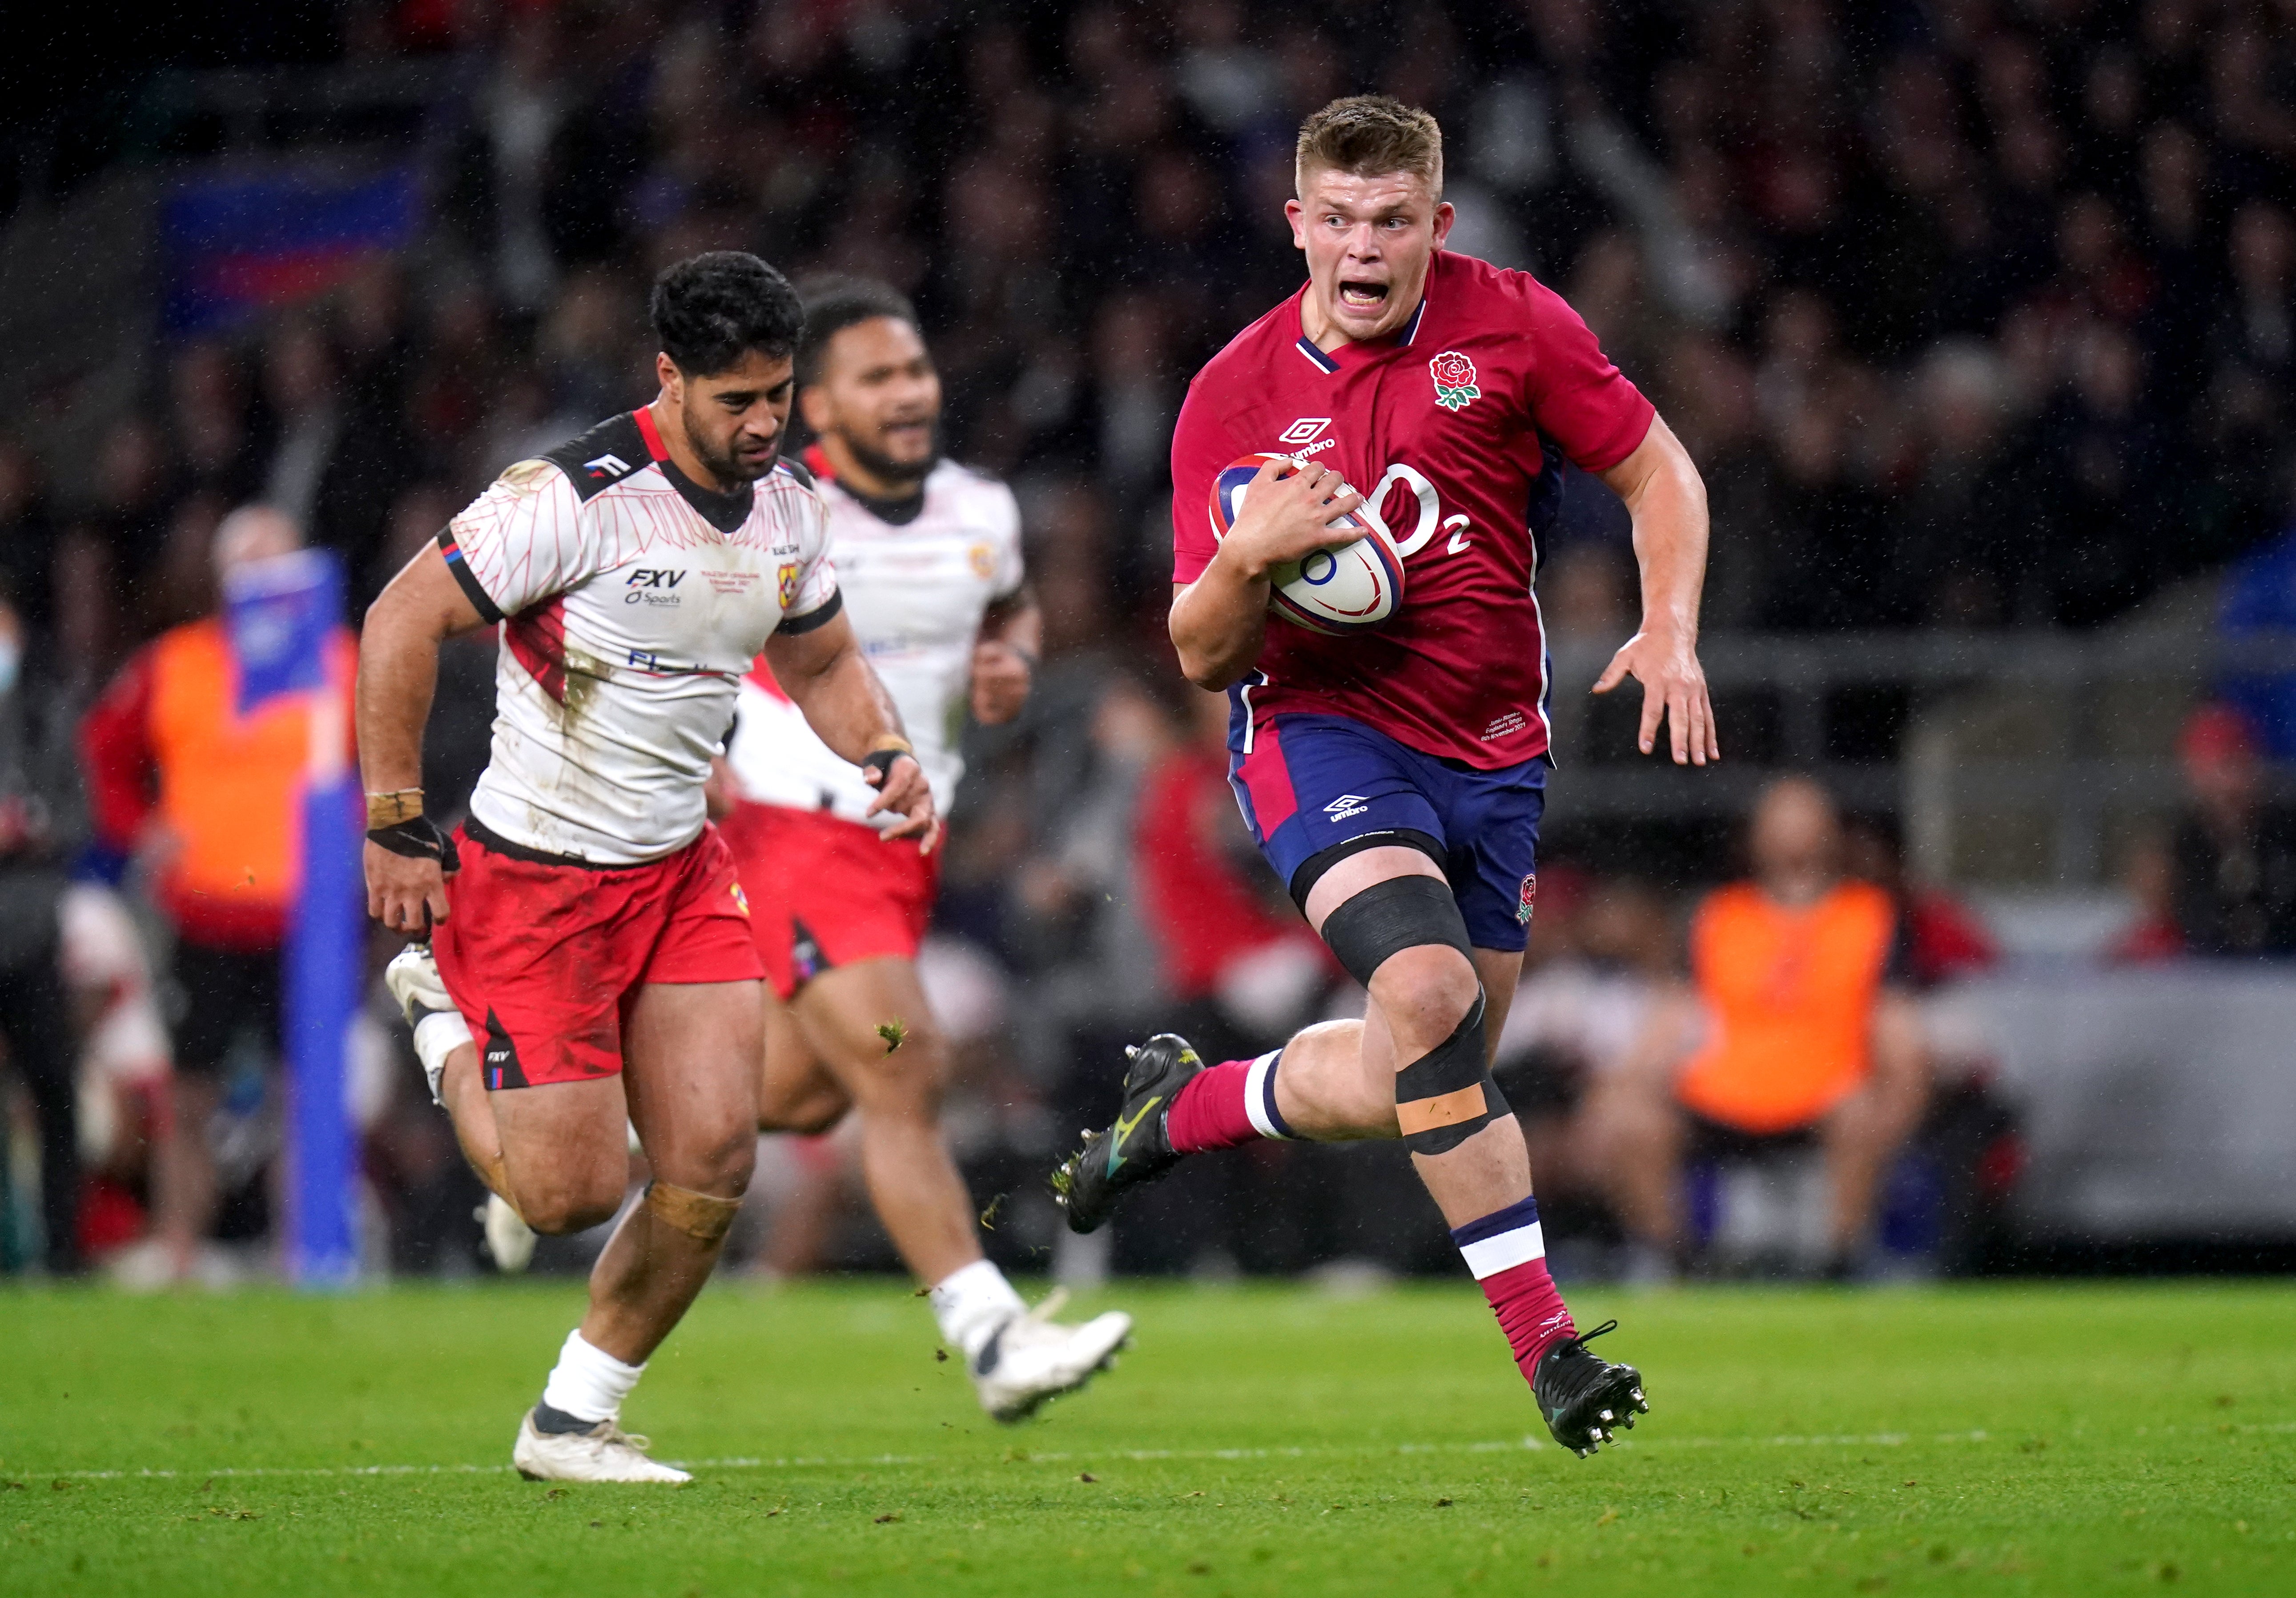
585, 919
1395, 778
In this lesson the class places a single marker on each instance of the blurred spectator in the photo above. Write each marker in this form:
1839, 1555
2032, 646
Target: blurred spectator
35, 1015
1939, 937
1796, 1032
2149, 876
1602, 954
204, 798
2234, 887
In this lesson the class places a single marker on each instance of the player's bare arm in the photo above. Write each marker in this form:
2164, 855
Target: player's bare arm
1219, 622
398, 674
1004, 659
1667, 498
825, 672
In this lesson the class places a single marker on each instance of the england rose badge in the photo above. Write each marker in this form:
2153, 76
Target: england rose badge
1454, 380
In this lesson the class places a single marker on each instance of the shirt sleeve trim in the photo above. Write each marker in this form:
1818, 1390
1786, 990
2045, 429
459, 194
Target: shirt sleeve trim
466, 579
821, 614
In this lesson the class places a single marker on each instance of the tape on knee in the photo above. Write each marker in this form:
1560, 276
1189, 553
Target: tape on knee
1446, 1095
1386, 918
701, 1218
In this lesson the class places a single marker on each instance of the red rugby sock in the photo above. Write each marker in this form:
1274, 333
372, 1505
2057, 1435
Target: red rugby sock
1530, 1311
1506, 1249
1209, 1111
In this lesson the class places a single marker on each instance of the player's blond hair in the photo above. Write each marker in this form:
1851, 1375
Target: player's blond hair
1370, 136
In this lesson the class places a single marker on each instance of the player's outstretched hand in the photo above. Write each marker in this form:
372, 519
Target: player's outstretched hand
1286, 517
1674, 685
405, 893
903, 791
1000, 681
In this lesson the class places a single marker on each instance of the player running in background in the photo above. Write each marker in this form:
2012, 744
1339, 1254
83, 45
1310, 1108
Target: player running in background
1395, 778
928, 559
585, 919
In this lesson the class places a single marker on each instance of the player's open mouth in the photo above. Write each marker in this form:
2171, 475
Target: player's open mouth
1361, 296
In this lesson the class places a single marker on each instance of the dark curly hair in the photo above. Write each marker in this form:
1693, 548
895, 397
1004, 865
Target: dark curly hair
711, 309
832, 305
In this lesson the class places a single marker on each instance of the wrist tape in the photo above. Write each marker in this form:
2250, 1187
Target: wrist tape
881, 758
418, 840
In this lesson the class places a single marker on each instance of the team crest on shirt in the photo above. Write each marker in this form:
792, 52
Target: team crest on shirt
740, 900
1529, 900
1454, 380
788, 577
984, 560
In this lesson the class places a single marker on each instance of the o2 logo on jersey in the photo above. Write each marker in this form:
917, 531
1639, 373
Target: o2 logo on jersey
787, 579
1431, 518
1454, 380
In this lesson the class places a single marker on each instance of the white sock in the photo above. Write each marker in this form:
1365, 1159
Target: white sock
589, 1384
437, 1036
972, 1302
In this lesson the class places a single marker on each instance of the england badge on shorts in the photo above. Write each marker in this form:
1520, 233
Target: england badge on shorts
1529, 899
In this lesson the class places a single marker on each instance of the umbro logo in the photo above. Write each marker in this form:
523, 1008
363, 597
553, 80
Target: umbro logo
1347, 805
607, 466
1305, 430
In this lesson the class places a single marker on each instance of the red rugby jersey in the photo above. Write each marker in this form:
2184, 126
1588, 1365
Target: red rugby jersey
1456, 427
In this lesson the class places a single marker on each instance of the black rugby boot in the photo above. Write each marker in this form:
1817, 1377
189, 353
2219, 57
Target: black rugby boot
1133, 1150
1583, 1395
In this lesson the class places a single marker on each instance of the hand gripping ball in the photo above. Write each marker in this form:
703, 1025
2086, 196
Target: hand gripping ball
1352, 586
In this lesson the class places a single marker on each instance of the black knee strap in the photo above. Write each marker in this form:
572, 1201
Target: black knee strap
1446, 1095
1387, 917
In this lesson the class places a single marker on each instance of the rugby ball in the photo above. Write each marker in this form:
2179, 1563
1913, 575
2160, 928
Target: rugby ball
1355, 585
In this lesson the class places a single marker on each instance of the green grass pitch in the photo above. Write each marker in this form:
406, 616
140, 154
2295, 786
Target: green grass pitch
2079, 1439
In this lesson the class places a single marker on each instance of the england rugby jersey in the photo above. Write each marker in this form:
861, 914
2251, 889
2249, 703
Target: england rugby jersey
916, 591
632, 600
1456, 427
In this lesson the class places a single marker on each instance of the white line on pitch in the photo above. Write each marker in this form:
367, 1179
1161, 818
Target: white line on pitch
1879, 1439
1064, 1457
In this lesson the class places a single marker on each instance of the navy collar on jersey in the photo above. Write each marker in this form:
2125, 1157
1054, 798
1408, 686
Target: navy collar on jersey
1328, 363
724, 512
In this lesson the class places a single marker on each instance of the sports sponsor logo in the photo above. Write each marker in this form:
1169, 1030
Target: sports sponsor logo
1305, 430
1347, 805
607, 466
787, 579
1454, 380
642, 583
1529, 899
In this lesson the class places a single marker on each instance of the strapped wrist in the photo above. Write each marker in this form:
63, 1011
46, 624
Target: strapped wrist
391, 807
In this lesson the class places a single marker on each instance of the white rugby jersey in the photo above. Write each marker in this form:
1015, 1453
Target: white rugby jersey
917, 592
632, 600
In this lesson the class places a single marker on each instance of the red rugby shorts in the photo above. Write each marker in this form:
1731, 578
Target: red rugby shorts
825, 892
544, 957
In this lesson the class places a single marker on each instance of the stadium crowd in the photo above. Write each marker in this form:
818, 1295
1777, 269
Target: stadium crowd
1977, 315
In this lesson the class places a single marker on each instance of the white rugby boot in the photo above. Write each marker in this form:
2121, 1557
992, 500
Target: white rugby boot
605, 1452
510, 1241
1032, 1357
440, 1030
